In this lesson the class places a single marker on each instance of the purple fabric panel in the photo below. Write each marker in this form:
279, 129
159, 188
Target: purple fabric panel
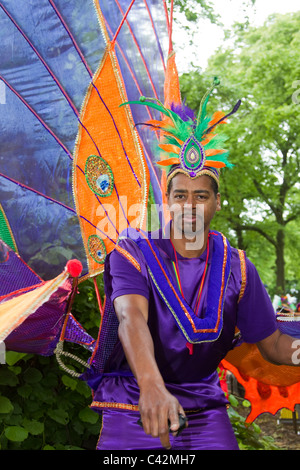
106, 342
206, 393
291, 328
47, 235
40, 332
207, 430
83, 24
42, 65
143, 42
136, 282
256, 316
14, 273
46, 39
75, 333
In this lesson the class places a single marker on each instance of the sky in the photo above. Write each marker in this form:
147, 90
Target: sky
212, 35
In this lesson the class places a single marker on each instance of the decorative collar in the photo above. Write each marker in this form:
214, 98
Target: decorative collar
195, 329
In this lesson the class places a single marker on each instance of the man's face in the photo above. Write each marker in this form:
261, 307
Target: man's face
193, 204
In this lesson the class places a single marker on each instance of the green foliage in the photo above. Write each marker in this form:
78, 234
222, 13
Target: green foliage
249, 436
42, 408
189, 12
193, 11
85, 307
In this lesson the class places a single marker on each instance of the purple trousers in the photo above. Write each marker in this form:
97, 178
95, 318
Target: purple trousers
207, 430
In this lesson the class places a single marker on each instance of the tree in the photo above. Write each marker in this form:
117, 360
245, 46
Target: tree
194, 11
261, 193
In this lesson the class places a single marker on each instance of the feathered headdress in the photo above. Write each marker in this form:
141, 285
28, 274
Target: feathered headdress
188, 140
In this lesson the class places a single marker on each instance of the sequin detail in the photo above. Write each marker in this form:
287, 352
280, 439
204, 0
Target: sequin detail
120, 406
96, 248
243, 273
192, 156
128, 256
99, 176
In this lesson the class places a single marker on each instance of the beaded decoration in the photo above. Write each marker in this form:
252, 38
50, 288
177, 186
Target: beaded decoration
99, 176
96, 248
192, 156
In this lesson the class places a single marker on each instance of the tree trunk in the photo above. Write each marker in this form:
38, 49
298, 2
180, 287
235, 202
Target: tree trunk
280, 277
240, 238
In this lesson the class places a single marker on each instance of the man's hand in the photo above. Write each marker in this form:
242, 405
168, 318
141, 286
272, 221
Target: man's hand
159, 409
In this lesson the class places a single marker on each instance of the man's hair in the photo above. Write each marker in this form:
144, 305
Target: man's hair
213, 185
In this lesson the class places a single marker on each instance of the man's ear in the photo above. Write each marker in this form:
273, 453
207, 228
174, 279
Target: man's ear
219, 207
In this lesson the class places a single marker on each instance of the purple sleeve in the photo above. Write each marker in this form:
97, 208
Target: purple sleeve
256, 318
125, 278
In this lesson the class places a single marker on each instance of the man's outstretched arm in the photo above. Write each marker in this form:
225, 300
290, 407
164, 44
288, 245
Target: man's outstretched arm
156, 404
280, 349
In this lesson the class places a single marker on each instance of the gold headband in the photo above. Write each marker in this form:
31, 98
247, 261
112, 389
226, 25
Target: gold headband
205, 171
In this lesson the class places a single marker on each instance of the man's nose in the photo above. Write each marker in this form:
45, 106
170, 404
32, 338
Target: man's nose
188, 206
190, 200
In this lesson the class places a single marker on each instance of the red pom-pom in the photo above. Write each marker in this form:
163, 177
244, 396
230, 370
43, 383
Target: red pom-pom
74, 267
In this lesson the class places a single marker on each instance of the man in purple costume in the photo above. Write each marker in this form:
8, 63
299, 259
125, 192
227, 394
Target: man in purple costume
179, 297
154, 372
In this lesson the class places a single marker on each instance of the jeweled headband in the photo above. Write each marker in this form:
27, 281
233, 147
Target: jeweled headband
189, 141
206, 170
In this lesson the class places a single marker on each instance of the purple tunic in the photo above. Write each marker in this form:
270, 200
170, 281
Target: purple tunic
192, 378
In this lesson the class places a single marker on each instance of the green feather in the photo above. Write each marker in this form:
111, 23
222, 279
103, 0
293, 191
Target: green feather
202, 110
161, 108
216, 142
204, 101
221, 157
170, 140
201, 128
182, 131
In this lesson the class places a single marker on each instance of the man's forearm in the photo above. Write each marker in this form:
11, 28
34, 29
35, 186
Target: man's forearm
138, 347
280, 349
286, 348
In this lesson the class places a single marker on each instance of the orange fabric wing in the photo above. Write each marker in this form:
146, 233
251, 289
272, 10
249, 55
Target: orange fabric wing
111, 178
268, 387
